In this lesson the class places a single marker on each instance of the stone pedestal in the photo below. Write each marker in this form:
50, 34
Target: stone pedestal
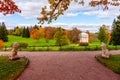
105, 53
13, 55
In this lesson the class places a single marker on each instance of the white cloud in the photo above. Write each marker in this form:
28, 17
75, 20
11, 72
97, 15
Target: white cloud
31, 9
83, 27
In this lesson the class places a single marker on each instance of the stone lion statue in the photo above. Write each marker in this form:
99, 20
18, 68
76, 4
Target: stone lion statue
105, 53
14, 51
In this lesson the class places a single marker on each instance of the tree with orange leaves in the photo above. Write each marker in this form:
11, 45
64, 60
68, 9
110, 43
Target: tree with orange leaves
1, 43
49, 33
90, 36
37, 33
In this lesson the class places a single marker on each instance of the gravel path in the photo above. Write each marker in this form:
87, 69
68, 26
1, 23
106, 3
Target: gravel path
71, 65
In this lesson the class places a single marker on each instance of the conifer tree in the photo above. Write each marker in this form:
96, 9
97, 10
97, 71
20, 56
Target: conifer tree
3, 32
115, 36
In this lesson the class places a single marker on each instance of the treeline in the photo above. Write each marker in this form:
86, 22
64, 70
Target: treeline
62, 36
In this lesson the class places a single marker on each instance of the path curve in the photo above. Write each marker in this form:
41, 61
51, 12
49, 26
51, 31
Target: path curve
71, 65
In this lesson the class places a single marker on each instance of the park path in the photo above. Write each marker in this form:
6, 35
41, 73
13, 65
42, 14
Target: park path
60, 65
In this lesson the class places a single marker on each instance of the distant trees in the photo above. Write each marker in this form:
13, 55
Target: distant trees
3, 32
102, 35
115, 35
74, 35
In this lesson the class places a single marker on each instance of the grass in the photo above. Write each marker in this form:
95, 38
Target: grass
10, 70
113, 63
30, 41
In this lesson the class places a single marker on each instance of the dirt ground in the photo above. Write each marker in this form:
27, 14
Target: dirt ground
71, 65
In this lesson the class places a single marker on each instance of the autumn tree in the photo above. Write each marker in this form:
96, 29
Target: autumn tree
49, 33
74, 35
90, 36
58, 7
115, 35
37, 33
3, 32
8, 7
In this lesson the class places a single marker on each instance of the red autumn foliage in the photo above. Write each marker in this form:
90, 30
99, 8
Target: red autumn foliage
8, 7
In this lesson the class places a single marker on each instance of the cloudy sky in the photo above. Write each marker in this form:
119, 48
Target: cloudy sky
82, 17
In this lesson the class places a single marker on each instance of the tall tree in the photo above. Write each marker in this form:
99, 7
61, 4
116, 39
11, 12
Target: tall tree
102, 35
25, 32
115, 35
3, 32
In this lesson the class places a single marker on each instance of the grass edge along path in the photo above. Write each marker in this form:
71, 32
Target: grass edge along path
113, 63
10, 70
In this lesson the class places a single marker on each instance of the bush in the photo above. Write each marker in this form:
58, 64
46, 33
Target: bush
23, 45
83, 44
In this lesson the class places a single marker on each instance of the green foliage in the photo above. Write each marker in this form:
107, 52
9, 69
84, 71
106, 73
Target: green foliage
10, 70
23, 44
115, 36
61, 39
102, 35
18, 31
3, 32
113, 63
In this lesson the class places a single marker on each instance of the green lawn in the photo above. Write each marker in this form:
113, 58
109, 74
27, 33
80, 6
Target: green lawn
113, 63
31, 42
10, 70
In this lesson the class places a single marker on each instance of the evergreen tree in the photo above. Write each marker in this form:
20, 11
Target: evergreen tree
102, 35
23, 33
3, 32
27, 33
115, 36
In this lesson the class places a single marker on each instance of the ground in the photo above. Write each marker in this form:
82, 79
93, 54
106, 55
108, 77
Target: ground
71, 65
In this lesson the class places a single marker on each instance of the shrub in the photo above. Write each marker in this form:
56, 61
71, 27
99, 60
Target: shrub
1, 43
83, 44
23, 45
